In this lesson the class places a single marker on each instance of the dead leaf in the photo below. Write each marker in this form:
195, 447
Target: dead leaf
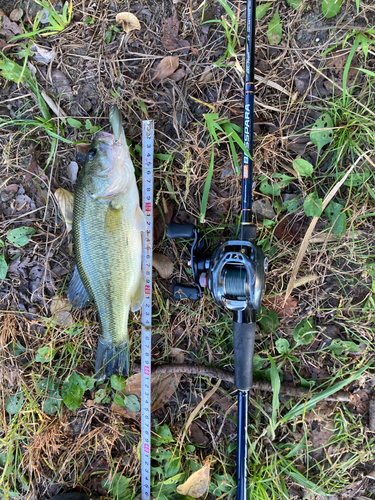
83, 147
53, 106
170, 38
60, 309
166, 67
9, 28
291, 228
42, 54
197, 435
162, 264
163, 386
8, 192
178, 75
206, 77
194, 51
297, 144
16, 15
65, 200
129, 21
197, 484
283, 308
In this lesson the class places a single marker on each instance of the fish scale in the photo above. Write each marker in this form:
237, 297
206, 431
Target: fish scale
103, 267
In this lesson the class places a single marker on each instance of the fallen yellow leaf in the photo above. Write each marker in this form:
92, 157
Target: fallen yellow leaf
129, 21
197, 484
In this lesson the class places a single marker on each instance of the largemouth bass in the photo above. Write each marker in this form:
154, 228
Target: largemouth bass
107, 226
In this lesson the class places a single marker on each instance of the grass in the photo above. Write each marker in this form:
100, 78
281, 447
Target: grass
49, 443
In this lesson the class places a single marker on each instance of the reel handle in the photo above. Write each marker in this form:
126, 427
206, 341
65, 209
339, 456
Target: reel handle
243, 343
181, 291
180, 231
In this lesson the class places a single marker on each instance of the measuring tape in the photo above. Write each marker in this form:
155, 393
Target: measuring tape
147, 241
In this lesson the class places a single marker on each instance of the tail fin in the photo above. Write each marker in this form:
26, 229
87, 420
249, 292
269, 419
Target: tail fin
112, 358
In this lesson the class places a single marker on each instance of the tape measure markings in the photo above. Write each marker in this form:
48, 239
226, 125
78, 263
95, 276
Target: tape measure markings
147, 241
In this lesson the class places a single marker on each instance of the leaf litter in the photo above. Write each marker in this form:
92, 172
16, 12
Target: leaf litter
170, 38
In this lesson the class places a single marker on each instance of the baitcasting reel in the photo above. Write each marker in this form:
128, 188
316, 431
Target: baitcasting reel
234, 273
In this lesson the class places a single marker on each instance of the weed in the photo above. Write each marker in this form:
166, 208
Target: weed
58, 22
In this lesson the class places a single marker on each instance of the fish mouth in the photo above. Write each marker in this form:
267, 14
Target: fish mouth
105, 138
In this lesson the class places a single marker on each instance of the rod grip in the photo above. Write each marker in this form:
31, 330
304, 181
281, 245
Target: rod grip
243, 343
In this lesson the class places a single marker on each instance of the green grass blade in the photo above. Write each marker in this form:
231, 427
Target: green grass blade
207, 187
275, 382
309, 405
302, 481
228, 10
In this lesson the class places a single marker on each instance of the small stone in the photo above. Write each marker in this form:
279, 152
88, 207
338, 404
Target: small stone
72, 171
263, 209
16, 15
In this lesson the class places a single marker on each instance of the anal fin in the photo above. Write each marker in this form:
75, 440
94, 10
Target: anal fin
77, 294
139, 219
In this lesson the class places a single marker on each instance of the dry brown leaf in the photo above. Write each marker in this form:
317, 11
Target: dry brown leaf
162, 388
162, 264
170, 38
178, 75
65, 200
129, 21
166, 67
8, 28
283, 308
83, 147
206, 77
60, 309
163, 385
197, 484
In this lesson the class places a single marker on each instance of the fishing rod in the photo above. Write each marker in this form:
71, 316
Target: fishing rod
235, 271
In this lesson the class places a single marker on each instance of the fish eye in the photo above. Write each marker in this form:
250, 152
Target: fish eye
91, 153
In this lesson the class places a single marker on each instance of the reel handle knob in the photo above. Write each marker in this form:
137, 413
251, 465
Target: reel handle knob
180, 231
186, 292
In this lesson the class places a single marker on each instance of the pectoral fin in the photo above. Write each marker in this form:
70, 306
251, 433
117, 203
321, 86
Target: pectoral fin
138, 297
77, 294
139, 219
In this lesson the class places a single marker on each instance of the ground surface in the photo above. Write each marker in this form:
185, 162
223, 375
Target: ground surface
323, 335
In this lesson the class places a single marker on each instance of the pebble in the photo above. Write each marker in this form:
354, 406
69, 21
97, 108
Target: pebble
263, 209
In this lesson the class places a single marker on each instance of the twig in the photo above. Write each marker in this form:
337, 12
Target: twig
226, 376
371, 412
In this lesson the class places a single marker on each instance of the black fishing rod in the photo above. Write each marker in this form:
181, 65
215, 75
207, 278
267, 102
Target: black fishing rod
235, 272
